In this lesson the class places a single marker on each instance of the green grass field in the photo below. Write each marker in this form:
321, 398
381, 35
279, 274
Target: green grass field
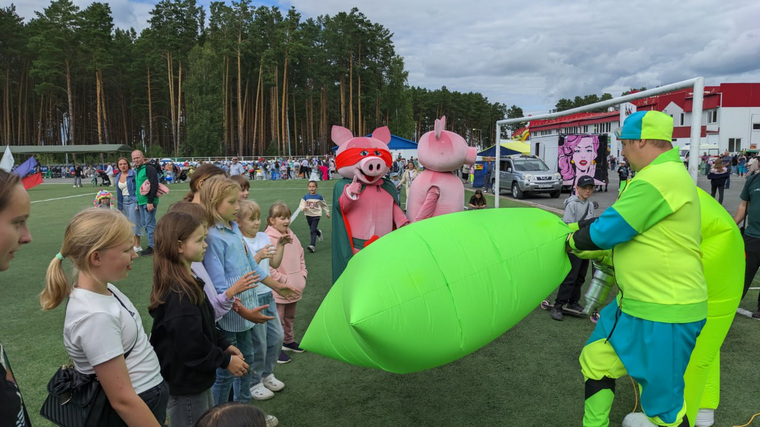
529, 376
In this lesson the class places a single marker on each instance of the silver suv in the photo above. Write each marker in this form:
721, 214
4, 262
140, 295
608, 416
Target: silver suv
528, 174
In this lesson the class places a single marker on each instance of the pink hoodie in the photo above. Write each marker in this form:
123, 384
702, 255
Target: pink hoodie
292, 269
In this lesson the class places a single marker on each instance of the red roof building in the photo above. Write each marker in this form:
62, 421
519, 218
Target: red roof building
730, 120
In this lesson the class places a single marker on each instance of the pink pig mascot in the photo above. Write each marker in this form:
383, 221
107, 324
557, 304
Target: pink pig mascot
365, 204
437, 190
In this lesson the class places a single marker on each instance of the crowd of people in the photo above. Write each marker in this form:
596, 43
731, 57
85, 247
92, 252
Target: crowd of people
225, 293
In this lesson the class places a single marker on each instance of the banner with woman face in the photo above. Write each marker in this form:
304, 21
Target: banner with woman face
582, 154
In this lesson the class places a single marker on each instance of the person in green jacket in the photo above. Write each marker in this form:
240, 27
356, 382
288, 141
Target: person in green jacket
653, 233
146, 203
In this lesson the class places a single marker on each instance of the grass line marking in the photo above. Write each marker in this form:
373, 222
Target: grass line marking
61, 198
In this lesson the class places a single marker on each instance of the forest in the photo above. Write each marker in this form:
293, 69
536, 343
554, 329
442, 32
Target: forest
243, 80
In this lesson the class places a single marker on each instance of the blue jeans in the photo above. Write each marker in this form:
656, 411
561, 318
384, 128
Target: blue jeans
267, 340
148, 222
225, 380
313, 222
129, 209
187, 410
156, 398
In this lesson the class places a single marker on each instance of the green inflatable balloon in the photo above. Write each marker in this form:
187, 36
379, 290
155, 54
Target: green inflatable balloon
449, 284
723, 263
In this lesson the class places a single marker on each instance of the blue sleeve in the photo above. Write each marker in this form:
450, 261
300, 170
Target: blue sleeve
213, 261
610, 229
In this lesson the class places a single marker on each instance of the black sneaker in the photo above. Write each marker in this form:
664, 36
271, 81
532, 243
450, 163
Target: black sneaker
756, 315
310, 248
574, 308
556, 312
319, 235
283, 358
292, 346
147, 251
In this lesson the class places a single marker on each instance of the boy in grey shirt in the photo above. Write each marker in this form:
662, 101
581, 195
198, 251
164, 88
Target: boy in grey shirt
577, 208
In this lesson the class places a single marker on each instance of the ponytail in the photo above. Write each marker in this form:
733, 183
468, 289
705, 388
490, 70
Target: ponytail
57, 286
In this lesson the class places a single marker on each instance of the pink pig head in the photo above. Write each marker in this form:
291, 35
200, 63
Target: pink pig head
444, 151
366, 158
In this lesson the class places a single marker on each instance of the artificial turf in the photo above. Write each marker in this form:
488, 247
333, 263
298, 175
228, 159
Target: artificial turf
529, 376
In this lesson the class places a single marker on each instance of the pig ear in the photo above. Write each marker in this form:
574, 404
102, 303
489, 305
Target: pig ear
340, 135
440, 126
383, 134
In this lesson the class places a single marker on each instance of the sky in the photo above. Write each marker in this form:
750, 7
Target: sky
531, 54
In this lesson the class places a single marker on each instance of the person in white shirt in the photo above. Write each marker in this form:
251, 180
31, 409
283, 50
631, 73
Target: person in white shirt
103, 331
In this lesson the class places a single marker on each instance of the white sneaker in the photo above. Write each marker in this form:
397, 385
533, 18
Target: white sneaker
705, 418
272, 421
637, 419
259, 392
272, 383
138, 249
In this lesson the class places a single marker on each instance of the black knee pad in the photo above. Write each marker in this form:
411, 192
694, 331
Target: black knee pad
594, 386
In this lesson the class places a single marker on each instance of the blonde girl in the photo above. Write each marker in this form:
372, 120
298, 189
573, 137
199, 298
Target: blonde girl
267, 338
228, 259
102, 331
292, 272
184, 334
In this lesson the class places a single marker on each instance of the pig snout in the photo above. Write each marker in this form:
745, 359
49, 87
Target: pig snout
373, 166
472, 154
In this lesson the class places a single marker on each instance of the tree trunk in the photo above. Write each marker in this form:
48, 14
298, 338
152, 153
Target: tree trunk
70, 97
172, 106
7, 107
150, 113
351, 92
284, 107
225, 98
103, 106
362, 123
259, 92
179, 111
98, 106
239, 98
342, 100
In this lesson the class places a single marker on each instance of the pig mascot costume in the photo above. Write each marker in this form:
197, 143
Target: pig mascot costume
437, 190
365, 204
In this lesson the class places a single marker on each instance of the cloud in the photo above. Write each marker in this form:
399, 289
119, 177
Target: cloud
531, 54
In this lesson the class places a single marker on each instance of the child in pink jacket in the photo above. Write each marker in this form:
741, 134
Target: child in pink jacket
292, 272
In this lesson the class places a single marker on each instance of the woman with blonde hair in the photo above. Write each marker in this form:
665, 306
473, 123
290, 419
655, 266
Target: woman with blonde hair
103, 332
407, 178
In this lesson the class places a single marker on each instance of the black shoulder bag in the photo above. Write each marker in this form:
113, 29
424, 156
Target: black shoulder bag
76, 399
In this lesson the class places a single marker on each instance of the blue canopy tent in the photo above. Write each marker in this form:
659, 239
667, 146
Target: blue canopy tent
398, 144
491, 151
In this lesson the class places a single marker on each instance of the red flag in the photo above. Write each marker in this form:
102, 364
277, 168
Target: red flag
32, 181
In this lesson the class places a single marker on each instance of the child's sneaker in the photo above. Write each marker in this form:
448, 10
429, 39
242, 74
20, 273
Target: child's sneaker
260, 392
283, 358
292, 346
574, 308
319, 235
310, 248
272, 383
272, 421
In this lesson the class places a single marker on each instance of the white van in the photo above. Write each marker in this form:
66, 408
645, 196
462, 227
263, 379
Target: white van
712, 150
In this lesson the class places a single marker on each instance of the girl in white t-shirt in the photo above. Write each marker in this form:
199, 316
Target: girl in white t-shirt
103, 332
267, 337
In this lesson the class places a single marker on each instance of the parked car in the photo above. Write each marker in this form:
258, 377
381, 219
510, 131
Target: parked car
522, 174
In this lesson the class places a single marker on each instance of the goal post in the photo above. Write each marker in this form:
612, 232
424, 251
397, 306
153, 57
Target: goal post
697, 83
